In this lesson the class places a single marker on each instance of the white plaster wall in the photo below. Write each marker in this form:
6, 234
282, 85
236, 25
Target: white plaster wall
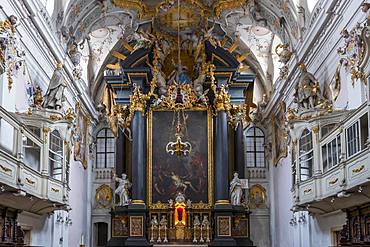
321, 59
78, 202
321, 228
281, 203
41, 56
260, 228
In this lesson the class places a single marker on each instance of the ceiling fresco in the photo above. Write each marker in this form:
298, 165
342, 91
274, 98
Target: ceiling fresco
102, 27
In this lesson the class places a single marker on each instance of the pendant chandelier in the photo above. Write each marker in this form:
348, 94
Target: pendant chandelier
179, 147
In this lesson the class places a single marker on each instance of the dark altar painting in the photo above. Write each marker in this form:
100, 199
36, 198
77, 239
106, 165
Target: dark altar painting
280, 134
171, 173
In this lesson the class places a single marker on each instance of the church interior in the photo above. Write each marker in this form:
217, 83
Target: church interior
184, 123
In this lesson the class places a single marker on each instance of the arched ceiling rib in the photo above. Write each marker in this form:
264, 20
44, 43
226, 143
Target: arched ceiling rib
80, 14
83, 18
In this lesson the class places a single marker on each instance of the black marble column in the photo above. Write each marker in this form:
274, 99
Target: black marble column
221, 159
239, 151
137, 209
138, 157
121, 154
223, 210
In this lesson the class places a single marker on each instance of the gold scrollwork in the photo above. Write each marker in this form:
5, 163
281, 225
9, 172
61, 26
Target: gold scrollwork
222, 100
30, 181
54, 117
137, 5
138, 100
200, 206
223, 226
307, 191
334, 181
55, 190
5, 169
223, 5
70, 115
189, 100
45, 130
358, 169
159, 206
136, 226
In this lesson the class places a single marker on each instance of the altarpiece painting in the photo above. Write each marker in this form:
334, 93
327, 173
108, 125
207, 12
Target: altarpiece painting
188, 174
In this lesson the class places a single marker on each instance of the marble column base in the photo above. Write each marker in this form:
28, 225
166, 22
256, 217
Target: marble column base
223, 213
137, 225
117, 241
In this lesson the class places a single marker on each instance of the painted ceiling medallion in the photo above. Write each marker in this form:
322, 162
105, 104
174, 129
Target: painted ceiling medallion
260, 31
100, 33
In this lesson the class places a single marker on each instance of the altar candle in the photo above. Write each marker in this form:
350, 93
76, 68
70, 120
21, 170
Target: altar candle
82, 239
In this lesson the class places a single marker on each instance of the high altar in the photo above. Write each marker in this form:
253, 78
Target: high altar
177, 99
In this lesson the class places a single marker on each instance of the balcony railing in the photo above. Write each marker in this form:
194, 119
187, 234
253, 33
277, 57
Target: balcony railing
341, 162
24, 168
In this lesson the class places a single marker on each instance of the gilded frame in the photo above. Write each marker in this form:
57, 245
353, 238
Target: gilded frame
224, 219
152, 204
140, 220
118, 219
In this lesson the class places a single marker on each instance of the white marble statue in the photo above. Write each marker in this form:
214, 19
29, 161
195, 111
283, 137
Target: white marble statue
55, 94
123, 189
236, 191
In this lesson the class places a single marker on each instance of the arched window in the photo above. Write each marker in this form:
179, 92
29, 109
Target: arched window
56, 155
106, 149
255, 150
305, 155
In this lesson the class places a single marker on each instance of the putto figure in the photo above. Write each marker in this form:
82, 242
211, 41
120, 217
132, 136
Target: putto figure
55, 94
123, 189
236, 190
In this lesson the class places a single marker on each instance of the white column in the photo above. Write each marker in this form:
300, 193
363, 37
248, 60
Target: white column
317, 165
45, 151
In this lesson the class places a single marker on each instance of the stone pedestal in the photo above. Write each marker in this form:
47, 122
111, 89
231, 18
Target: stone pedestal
223, 225
242, 237
137, 225
118, 216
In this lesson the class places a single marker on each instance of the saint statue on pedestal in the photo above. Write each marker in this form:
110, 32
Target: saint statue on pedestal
236, 190
123, 189
55, 94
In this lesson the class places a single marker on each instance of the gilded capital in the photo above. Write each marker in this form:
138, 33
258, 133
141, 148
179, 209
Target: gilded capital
138, 100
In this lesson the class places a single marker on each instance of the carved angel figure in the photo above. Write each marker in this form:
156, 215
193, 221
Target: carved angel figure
255, 12
198, 87
236, 190
143, 40
123, 189
308, 94
55, 94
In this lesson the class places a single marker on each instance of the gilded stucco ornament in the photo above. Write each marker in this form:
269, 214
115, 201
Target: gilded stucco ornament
138, 100
284, 53
37, 98
222, 100
11, 54
104, 196
354, 50
222, 5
